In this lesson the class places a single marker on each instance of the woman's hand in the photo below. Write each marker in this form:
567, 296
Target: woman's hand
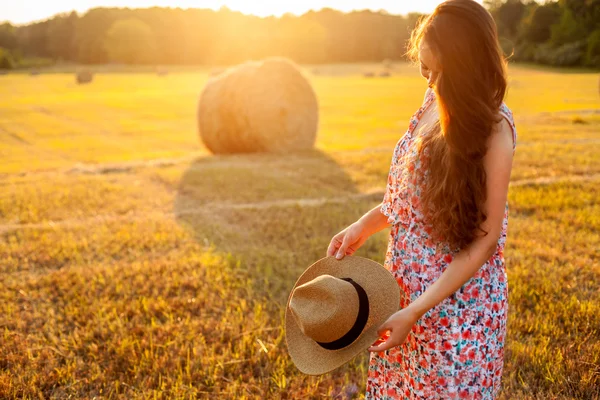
347, 241
400, 325
350, 239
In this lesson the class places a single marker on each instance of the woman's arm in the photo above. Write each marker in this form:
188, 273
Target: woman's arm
374, 221
498, 165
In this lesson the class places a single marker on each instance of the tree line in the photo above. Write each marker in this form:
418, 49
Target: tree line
563, 32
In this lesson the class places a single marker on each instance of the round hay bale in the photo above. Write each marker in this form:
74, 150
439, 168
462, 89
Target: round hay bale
265, 106
162, 71
385, 74
84, 76
35, 72
369, 74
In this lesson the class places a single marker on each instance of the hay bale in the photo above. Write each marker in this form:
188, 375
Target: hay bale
162, 71
385, 74
84, 76
369, 74
265, 106
35, 72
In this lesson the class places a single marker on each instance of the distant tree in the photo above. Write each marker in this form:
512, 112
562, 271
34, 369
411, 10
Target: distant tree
585, 12
6, 59
33, 39
536, 26
172, 34
301, 39
8, 36
592, 57
90, 34
62, 36
567, 30
130, 41
508, 17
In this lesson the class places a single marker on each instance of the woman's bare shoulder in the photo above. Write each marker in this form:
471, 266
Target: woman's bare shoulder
502, 136
506, 124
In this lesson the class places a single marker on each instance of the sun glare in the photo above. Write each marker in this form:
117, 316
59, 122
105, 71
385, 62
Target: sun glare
29, 10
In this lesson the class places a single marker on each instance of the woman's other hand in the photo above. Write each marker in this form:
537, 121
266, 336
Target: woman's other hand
399, 326
347, 241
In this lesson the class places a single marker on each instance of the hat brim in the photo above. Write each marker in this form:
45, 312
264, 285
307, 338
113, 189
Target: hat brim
384, 300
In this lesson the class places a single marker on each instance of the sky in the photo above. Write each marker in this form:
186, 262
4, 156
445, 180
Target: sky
23, 11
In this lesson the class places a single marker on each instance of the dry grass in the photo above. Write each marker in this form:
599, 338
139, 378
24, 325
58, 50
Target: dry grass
168, 279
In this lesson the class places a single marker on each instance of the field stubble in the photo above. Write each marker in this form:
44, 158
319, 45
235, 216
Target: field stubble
135, 265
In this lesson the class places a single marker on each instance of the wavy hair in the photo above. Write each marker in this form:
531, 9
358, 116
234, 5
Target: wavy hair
469, 90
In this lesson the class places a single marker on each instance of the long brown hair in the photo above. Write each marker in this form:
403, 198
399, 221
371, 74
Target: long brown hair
469, 90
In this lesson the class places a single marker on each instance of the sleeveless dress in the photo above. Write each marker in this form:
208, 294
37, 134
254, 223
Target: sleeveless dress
456, 349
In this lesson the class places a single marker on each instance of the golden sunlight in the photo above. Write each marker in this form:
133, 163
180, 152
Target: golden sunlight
30, 10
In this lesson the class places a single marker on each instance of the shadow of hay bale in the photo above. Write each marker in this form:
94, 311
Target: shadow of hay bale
251, 206
276, 213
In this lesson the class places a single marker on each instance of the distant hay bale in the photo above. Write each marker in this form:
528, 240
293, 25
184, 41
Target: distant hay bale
35, 72
385, 74
84, 76
369, 74
265, 106
162, 71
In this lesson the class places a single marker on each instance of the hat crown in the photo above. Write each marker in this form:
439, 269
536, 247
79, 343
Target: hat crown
325, 308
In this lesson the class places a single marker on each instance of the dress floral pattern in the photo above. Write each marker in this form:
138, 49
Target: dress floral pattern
456, 349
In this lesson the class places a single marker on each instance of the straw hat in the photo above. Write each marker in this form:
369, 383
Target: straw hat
335, 309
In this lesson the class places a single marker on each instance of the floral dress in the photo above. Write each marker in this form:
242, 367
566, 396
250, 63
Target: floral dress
456, 349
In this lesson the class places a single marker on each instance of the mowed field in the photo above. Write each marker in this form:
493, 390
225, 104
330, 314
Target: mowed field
134, 264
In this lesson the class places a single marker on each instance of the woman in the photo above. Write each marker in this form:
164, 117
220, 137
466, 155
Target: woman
446, 201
